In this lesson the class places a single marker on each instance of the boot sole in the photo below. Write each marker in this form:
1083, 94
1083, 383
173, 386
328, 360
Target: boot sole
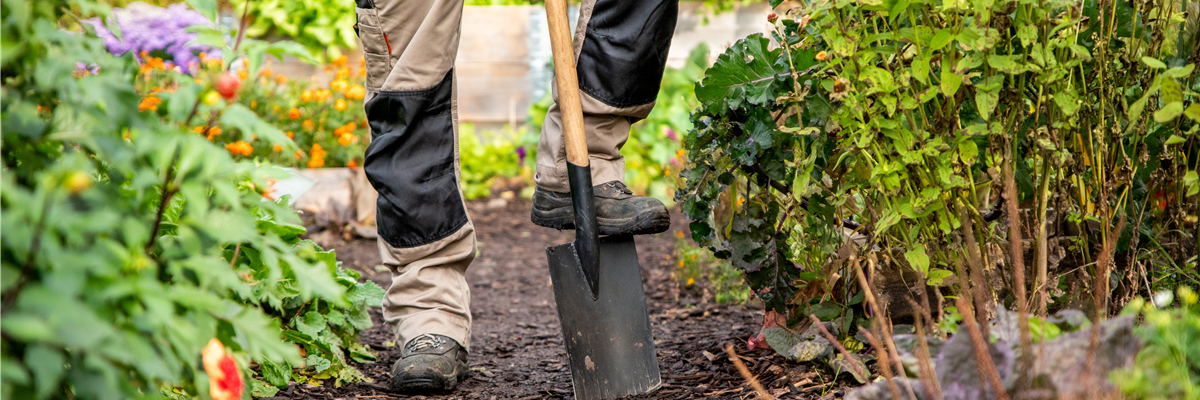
655, 220
430, 382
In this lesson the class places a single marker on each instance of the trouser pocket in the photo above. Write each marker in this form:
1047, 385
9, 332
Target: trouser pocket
376, 49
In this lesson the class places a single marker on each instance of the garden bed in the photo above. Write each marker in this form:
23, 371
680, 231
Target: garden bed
517, 343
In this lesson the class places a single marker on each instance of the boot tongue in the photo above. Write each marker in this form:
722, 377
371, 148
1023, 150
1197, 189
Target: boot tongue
612, 190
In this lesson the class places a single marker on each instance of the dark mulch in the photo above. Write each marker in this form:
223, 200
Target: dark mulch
517, 348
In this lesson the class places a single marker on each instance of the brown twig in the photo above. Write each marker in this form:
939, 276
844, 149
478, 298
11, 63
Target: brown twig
888, 347
236, 250
1099, 292
924, 359
884, 366
737, 362
837, 345
1018, 266
983, 358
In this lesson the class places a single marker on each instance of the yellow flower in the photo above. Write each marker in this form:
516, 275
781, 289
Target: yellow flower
243, 74
308, 124
356, 92
306, 96
322, 95
339, 85
339, 60
691, 281
346, 139
822, 55
343, 73
841, 88
339, 105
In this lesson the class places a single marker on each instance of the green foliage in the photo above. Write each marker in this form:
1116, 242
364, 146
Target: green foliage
486, 157
907, 117
321, 26
696, 264
1168, 367
129, 242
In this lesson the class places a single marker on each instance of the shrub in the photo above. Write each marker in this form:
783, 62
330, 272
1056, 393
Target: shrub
324, 27
908, 117
129, 241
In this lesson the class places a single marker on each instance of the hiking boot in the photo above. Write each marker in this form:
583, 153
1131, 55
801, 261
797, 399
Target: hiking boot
618, 211
430, 363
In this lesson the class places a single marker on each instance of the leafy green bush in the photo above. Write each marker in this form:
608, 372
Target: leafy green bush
486, 157
129, 241
1168, 367
325, 27
909, 117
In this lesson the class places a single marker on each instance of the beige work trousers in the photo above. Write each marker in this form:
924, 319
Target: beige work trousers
410, 48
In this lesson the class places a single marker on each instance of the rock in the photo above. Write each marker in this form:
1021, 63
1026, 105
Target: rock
1061, 372
496, 204
879, 390
804, 346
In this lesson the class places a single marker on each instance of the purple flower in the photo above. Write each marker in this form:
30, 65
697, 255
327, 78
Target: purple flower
671, 134
150, 29
83, 69
521, 155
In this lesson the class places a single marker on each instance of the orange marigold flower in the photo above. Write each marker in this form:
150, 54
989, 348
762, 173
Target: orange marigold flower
299, 154
351, 126
240, 148
339, 85
343, 72
253, 103
316, 162
362, 62
346, 139
339, 60
339, 105
352, 164
278, 148
691, 281
317, 150
224, 378
149, 103
214, 131
291, 135
243, 74
841, 88
356, 92
309, 124
267, 72
294, 113
306, 96
281, 79
822, 55
322, 95
679, 234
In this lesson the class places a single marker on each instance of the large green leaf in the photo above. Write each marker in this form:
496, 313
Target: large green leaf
744, 75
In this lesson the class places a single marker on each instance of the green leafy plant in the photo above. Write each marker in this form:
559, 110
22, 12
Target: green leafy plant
324, 27
488, 156
908, 122
695, 264
129, 241
1168, 367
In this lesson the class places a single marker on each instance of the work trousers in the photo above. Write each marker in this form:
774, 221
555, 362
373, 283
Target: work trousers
426, 237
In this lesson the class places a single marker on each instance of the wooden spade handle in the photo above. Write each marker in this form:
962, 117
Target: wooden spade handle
568, 82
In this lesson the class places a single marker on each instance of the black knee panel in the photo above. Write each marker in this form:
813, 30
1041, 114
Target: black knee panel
623, 56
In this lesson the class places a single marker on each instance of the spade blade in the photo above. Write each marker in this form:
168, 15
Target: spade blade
608, 337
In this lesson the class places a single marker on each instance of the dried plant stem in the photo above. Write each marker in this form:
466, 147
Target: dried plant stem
884, 366
979, 289
737, 362
889, 347
1100, 291
1018, 268
983, 359
836, 344
925, 360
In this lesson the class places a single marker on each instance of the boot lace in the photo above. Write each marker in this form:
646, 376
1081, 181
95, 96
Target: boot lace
423, 342
619, 187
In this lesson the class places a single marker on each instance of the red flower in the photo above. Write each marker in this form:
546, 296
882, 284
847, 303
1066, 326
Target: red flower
224, 378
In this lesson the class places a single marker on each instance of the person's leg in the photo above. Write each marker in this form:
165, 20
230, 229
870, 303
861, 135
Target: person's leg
425, 235
621, 48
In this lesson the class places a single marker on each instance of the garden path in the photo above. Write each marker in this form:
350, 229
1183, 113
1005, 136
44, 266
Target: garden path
517, 345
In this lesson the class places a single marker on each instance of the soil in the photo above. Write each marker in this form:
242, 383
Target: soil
517, 350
